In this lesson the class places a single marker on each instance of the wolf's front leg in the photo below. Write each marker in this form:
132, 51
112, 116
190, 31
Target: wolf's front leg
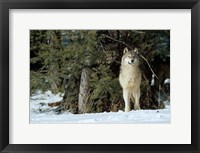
126, 100
137, 100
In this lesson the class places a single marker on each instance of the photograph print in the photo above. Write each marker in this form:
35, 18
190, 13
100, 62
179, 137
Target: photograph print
100, 77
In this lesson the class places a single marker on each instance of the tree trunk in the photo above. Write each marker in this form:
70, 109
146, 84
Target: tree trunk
84, 91
54, 87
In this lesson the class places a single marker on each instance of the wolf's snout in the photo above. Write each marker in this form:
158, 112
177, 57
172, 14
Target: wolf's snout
131, 61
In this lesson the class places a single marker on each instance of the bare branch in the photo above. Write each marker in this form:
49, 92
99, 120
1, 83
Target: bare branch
102, 46
117, 40
165, 94
148, 65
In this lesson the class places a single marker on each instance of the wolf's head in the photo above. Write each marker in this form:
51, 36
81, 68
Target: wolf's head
130, 57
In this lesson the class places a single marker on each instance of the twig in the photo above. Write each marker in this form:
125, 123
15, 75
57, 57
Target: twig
117, 40
165, 94
102, 46
159, 96
148, 65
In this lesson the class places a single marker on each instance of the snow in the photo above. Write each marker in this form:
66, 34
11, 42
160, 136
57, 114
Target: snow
40, 113
153, 80
167, 81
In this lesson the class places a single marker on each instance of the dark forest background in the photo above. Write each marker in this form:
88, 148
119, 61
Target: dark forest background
85, 65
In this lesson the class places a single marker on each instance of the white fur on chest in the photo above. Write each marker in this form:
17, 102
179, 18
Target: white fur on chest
130, 76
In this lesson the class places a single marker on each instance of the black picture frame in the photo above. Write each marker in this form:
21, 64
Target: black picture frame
5, 5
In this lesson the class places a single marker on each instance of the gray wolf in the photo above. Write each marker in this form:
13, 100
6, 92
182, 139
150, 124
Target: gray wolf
130, 78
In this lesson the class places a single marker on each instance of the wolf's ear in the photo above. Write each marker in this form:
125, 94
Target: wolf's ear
136, 50
125, 50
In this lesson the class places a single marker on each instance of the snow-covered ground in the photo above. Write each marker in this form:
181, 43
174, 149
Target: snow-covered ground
41, 113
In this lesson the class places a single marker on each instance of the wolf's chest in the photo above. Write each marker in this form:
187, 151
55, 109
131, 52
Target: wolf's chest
130, 75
